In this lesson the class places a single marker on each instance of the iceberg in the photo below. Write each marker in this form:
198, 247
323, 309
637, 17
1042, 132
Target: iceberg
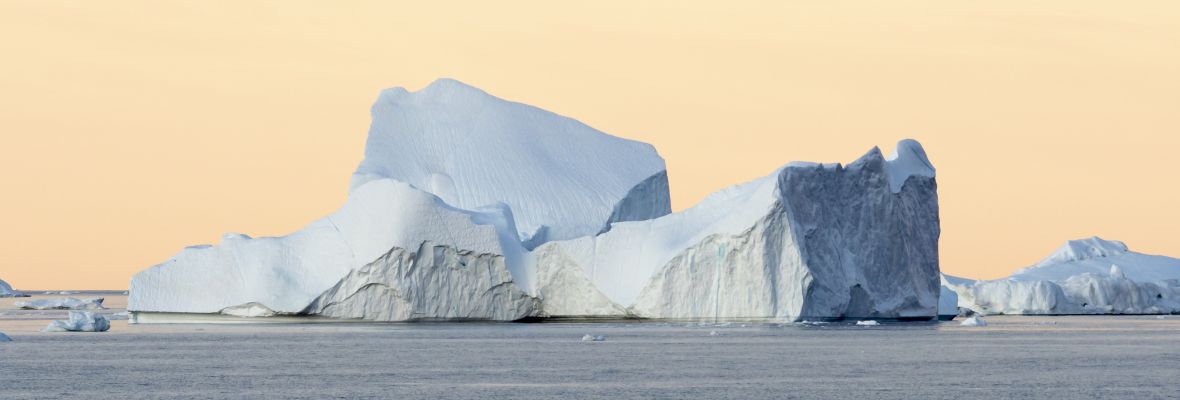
80, 321
7, 291
4, 338
1086, 276
808, 241
68, 303
471, 207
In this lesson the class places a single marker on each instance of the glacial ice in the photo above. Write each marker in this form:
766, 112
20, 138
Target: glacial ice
948, 303
1087, 276
7, 291
561, 178
806, 241
68, 303
469, 207
868, 323
80, 321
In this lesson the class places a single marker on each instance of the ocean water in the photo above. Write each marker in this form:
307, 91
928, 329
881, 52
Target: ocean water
1013, 357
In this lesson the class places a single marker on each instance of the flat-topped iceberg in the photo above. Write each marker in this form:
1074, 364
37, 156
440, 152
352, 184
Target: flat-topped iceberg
1087, 276
470, 207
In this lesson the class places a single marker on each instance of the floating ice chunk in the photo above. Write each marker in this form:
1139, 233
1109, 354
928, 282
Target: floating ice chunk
868, 323
714, 333
589, 338
4, 338
80, 321
68, 303
974, 321
119, 316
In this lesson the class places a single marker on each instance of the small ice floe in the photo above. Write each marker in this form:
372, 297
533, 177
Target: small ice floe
589, 338
66, 292
68, 303
974, 321
80, 321
126, 292
4, 338
119, 316
806, 322
1161, 317
868, 323
714, 333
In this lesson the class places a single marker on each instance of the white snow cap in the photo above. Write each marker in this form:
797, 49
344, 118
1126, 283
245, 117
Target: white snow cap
1084, 249
908, 159
561, 178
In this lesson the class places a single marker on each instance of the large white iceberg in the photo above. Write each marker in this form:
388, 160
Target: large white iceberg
469, 207
1087, 276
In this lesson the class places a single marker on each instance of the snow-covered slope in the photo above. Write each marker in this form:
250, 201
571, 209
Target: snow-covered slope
262, 276
810, 240
1087, 276
561, 178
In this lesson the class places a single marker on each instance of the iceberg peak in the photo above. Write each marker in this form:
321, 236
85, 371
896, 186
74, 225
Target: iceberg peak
1084, 249
908, 159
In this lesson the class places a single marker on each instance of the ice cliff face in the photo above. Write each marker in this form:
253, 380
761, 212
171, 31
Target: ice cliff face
561, 178
469, 207
810, 240
1088, 276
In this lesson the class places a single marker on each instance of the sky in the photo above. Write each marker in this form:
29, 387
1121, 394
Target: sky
132, 129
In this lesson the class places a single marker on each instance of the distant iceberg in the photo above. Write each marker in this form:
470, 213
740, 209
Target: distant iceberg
1086, 276
68, 303
7, 291
470, 207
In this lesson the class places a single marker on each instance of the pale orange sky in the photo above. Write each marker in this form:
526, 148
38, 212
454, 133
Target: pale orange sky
132, 129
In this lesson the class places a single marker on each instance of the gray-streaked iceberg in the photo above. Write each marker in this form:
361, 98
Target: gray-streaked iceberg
1086, 276
808, 241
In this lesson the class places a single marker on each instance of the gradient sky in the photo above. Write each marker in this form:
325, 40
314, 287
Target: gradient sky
131, 129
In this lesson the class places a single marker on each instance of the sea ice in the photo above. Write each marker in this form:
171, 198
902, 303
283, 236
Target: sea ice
868, 323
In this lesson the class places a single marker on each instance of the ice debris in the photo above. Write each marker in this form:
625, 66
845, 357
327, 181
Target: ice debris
80, 321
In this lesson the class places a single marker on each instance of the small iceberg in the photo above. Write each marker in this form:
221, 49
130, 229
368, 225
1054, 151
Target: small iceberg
80, 321
68, 303
4, 338
868, 323
589, 338
974, 321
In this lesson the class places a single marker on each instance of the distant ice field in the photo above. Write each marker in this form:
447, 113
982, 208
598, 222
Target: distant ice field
1012, 357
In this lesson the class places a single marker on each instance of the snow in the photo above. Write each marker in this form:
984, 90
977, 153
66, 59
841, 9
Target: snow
808, 240
561, 178
974, 321
868, 323
907, 160
80, 321
68, 303
1087, 276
